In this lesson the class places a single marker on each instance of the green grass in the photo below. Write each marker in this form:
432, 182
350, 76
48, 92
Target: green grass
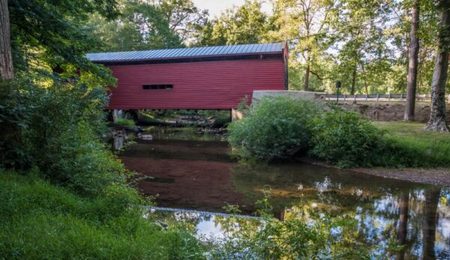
420, 147
41, 221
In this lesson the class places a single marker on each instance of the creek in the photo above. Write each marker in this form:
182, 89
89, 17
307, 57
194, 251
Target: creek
202, 176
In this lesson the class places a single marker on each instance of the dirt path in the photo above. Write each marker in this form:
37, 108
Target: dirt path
438, 176
429, 176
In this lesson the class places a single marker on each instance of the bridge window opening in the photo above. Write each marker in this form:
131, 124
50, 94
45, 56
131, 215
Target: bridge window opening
158, 86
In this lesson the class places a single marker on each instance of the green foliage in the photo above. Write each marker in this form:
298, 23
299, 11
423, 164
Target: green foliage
244, 24
42, 221
232, 209
292, 238
12, 117
125, 122
58, 129
263, 205
306, 25
305, 236
274, 128
83, 162
125, 34
345, 138
281, 127
51, 33
167, 23
297, 78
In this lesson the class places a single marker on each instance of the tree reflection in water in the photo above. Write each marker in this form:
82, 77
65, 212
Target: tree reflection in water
402, 230
395, 218
429, 222
328, 217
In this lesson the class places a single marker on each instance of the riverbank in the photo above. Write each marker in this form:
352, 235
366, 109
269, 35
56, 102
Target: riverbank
41, 220
425, 149
412, 136
440, 176
436, 176
430, 144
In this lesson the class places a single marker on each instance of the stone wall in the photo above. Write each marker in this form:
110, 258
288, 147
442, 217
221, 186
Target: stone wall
390, 111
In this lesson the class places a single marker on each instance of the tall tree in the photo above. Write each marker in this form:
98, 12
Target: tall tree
438, 117
6, 63
413, 63
241, 25
305, 24
362, 57
428, 36
148, 25
183, 17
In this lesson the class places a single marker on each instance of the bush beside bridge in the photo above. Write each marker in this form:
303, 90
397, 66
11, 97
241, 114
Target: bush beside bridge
282, 128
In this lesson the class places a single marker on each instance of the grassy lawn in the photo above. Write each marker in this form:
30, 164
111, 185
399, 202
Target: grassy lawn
429, 148
39, 220
413, 130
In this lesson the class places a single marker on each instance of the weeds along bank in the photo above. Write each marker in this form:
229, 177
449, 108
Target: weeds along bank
282, 128
39, 220
58, 130
65, 194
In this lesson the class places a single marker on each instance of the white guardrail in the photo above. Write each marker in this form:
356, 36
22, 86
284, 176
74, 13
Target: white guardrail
258, 94
376, 97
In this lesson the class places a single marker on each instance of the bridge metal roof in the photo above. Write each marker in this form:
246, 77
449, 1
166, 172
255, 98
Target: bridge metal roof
187, 53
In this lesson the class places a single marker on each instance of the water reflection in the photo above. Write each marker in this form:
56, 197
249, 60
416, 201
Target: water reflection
429, 219
402, 227
392, 218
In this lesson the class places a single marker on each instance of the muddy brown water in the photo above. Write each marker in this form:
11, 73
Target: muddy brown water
201, 175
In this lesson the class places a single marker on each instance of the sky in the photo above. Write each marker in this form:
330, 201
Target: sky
216, 7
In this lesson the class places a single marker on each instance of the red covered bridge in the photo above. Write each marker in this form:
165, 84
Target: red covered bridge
216, 77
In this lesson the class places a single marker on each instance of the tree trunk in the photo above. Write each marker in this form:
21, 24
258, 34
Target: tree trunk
413, 64
307, 73
430, 219
352, 91
6, 64
366, 87
437, 120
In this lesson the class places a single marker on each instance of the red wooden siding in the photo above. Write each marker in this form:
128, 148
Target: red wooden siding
196, 85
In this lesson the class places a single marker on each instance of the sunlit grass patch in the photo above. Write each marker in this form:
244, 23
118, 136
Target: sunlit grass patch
425, 148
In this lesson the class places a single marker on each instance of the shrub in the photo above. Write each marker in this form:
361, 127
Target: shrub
304, 233
12, 122
83, 163
345, 138
59, 131
273, 128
